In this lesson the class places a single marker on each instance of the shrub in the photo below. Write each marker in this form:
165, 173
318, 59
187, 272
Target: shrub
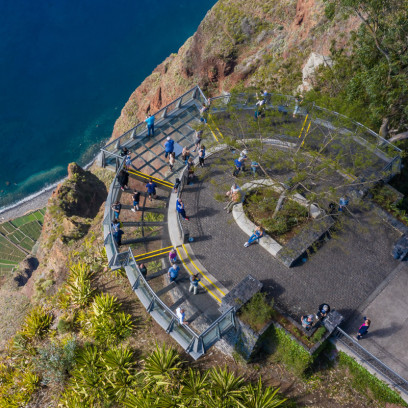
36, 323
318, 334
54, 361
257, 312
78, 285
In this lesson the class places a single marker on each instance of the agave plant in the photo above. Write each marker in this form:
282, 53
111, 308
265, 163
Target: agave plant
141, 400
36, 323
225, 389
119, 370
194, 385
79, 284
255, 396
105, 304
87, 378
162, 366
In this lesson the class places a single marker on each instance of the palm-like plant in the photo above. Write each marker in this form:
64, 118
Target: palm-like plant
162, 366
255, 396
194, 385
119, 372
105, 304
87, 378
36, 323
225, 388
141, 400
79, 284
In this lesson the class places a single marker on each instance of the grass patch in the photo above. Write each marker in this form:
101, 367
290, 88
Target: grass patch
257, 312
367, 384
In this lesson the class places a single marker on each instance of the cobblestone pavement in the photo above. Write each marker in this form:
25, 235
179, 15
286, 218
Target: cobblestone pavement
343, 272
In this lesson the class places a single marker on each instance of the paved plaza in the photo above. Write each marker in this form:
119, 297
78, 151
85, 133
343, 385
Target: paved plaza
344, 272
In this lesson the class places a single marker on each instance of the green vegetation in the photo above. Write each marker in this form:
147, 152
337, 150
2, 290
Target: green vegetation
367, 384
370, 83
257, 312
17, 238
260, 206
285, 350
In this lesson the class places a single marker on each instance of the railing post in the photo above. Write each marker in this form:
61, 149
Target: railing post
164, 115
178, 106
132, 136
151, 306
170, 326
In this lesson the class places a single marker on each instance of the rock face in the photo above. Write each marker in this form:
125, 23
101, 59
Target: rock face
255, 43
315, 60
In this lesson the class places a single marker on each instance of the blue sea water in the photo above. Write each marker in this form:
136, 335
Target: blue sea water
67, 67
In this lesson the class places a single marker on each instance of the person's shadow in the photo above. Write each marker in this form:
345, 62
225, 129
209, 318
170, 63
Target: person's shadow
384, 332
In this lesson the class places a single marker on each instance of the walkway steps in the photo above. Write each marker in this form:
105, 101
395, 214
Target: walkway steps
141, 240
144, 223
161, 184
153, 255
130, 191
208, 282
146, 209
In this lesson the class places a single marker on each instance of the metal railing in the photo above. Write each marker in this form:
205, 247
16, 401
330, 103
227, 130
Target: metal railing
343, 125
401, 384
194, 344
137, 133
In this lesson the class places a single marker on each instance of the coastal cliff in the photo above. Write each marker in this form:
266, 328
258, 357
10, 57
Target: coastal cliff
264, 44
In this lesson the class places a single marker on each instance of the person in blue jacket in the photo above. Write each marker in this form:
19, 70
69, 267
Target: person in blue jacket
151, 189
168, 146
238, 166
150, 125
173, 273
180, 209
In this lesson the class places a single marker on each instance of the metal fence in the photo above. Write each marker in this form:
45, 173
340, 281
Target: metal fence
342, 125
194, 344
366, 357
110, 152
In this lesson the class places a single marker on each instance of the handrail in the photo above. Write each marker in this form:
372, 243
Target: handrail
160, 111
341, 333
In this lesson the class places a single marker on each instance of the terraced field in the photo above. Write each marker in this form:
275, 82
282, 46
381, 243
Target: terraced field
17, 238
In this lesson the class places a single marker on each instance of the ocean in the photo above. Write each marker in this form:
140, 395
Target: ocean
67, 67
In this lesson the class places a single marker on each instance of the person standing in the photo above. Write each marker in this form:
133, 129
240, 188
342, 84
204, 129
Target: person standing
363, 330
324, 310
298, 102
115, 225
307, 321
243, 157
151, 189
343, 202
124, 152
136, 199
238, 163
201, 155
180, 209
172, 160
173, 273
256, 236
128, 161
194, 280
116, 207
118, 237
254, 167
143, 269
185, 154
190, 169
123, 180
197, 140
181, 315
150, 125
168, 146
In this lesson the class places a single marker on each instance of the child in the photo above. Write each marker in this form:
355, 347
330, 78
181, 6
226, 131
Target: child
136, 199
201, 155
173, 256
256, 236
363, 330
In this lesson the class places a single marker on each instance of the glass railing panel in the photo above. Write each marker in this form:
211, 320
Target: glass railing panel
226, 323
210, 337
183, 332
161, 315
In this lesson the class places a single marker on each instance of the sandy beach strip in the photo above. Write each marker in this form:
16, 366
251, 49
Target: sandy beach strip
35, 203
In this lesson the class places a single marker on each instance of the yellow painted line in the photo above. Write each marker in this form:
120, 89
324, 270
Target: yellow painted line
191, 273
215, 137
304, 123
146, 176
199, 270
212, 120
138, 259
307, 131
156, 250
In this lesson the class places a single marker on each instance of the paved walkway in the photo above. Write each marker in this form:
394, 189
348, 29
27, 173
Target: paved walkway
387, 308
344, 271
